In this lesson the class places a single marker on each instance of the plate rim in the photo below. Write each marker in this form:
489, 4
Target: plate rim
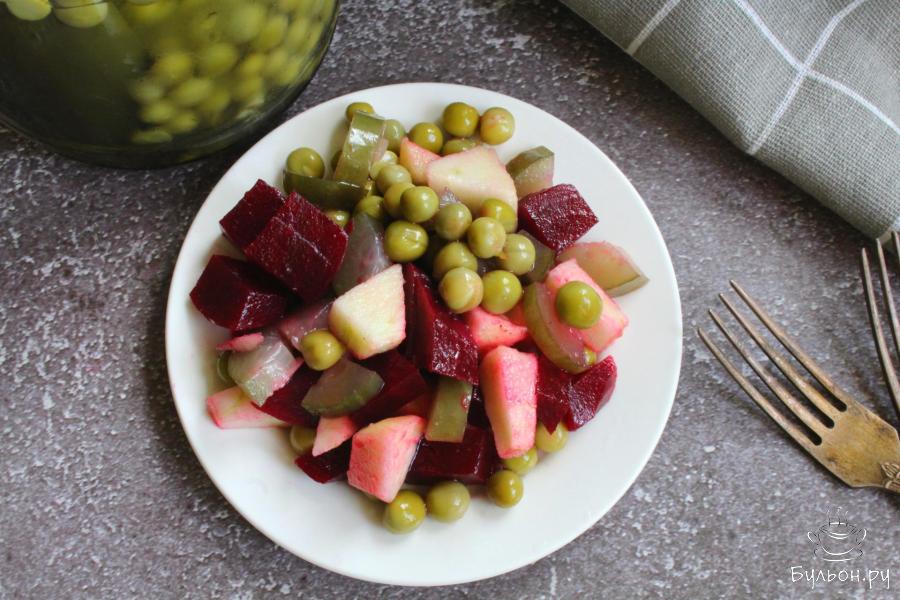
672, 385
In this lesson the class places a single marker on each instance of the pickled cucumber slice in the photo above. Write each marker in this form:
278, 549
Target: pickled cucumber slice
342, 389
363, 146
449, 411
324, 193
559, 342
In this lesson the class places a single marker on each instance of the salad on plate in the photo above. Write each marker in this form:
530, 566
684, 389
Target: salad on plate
424, 319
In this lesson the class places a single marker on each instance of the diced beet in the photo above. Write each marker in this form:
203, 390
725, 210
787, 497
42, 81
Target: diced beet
477, 415
285, 403
438, 341
301, 247
590, 391
471, 461
249, 216
556, 216
402, 383
237, 295
553, 387
326, 467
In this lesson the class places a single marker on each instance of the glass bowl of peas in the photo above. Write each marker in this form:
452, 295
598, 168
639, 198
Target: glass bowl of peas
144, 83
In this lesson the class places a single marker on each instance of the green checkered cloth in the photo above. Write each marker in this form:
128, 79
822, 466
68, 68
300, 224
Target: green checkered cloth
809, 87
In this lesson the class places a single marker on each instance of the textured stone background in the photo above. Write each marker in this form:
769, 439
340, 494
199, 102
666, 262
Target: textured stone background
101, 497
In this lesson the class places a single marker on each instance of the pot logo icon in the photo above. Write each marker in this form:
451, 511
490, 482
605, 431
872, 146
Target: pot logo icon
838, 540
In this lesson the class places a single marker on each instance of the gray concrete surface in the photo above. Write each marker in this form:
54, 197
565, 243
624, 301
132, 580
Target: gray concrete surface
101, 497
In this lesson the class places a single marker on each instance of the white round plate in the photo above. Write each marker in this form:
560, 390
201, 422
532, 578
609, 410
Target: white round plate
334, 526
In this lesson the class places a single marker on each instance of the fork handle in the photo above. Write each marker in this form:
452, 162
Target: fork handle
891, 476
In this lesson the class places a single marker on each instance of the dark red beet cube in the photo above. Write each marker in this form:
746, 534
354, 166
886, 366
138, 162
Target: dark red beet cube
285, 404
556, 216
249, 216
472, 460
237, 295
590, 391
477, 415
437, 340
301, 247
402, 383
553, 390
326, 467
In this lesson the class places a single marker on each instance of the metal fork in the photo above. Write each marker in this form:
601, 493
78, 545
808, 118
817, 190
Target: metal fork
849, 440
887, 366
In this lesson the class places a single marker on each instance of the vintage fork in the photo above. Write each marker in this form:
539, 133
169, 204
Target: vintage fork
849, 440
887, 366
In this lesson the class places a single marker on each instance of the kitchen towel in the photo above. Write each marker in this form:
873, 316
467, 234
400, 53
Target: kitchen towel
809, 87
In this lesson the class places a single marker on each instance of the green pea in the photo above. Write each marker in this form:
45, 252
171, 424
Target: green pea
502, 291
29, 10
339, 217
147, 90
427, 135
372, 206
486, 237
394, 132
191, 92
454, 254
390, 175
252, 65
355, 107
291, 71
405, 241
505, 488
460, 119
517, 255
150, 14
272, 33
496, 126
388, 158
461, 289
578, 305
302, 439
215, 104
275, 63
297, 32
394, 196
158, 112
500, 210
204, 27
157, 135
81, 13
447, 501
305, 161
405, 513
245, 22
418, 203
216, 59
551, 442
287, 5
452, 221
457, 145
183, 122
173, 67
521, 465
249, 91
321, 349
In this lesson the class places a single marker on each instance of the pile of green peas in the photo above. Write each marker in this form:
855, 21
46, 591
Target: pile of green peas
208, 62
477, 259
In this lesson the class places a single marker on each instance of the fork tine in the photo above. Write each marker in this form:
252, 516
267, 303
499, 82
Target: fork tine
888, 296
806, 360
789, 400
790, 428
887, 367
810, 392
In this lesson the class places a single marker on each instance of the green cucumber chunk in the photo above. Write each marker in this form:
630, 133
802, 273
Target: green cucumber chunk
324, 193
342, 389
363, 146
449, 411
